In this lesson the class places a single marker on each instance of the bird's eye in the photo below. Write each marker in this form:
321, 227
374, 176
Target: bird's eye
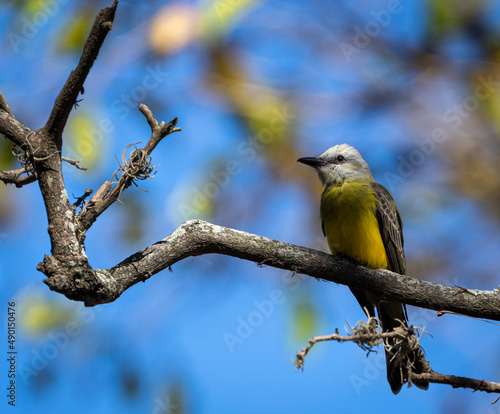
340, 158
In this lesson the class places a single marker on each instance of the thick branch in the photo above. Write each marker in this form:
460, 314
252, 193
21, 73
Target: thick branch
68, 263
67, 97
197, 237
13, 129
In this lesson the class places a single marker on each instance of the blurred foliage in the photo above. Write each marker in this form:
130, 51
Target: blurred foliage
38, 314
304, 318
266, 113
173, 400
178, 25
32, 7
7, 162
176, 398
83, 139
73, 35
135, 217
490, 105
130, 381
219, 16
6, 156
451, 15
174, 27
25, 5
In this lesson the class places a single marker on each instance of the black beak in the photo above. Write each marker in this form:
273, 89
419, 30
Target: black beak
312, 161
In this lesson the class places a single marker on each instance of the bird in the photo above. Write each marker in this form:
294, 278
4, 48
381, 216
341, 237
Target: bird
360, 220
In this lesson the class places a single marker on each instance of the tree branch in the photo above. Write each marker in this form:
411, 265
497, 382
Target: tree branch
67, 97
367, 337
68, 267
4, 106
73, 162
16, 132
13, 129
197, 237
68, 262
137, 167
158, 130
17, 178
458, 382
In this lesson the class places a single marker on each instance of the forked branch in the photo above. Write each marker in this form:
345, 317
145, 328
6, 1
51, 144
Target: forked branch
137, 167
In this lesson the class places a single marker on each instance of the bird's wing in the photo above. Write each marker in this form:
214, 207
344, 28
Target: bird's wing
391, 228
392, 314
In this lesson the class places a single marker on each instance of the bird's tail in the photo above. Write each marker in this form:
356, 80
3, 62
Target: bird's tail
402, 356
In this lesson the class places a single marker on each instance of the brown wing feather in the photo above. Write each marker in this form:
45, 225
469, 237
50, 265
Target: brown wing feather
392, 314
391, 229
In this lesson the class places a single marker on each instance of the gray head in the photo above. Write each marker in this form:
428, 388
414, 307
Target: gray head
338, 164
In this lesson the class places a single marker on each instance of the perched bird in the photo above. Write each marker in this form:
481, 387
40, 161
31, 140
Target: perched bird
360, 220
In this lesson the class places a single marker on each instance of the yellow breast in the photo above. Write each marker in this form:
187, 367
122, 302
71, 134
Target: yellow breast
350, 224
